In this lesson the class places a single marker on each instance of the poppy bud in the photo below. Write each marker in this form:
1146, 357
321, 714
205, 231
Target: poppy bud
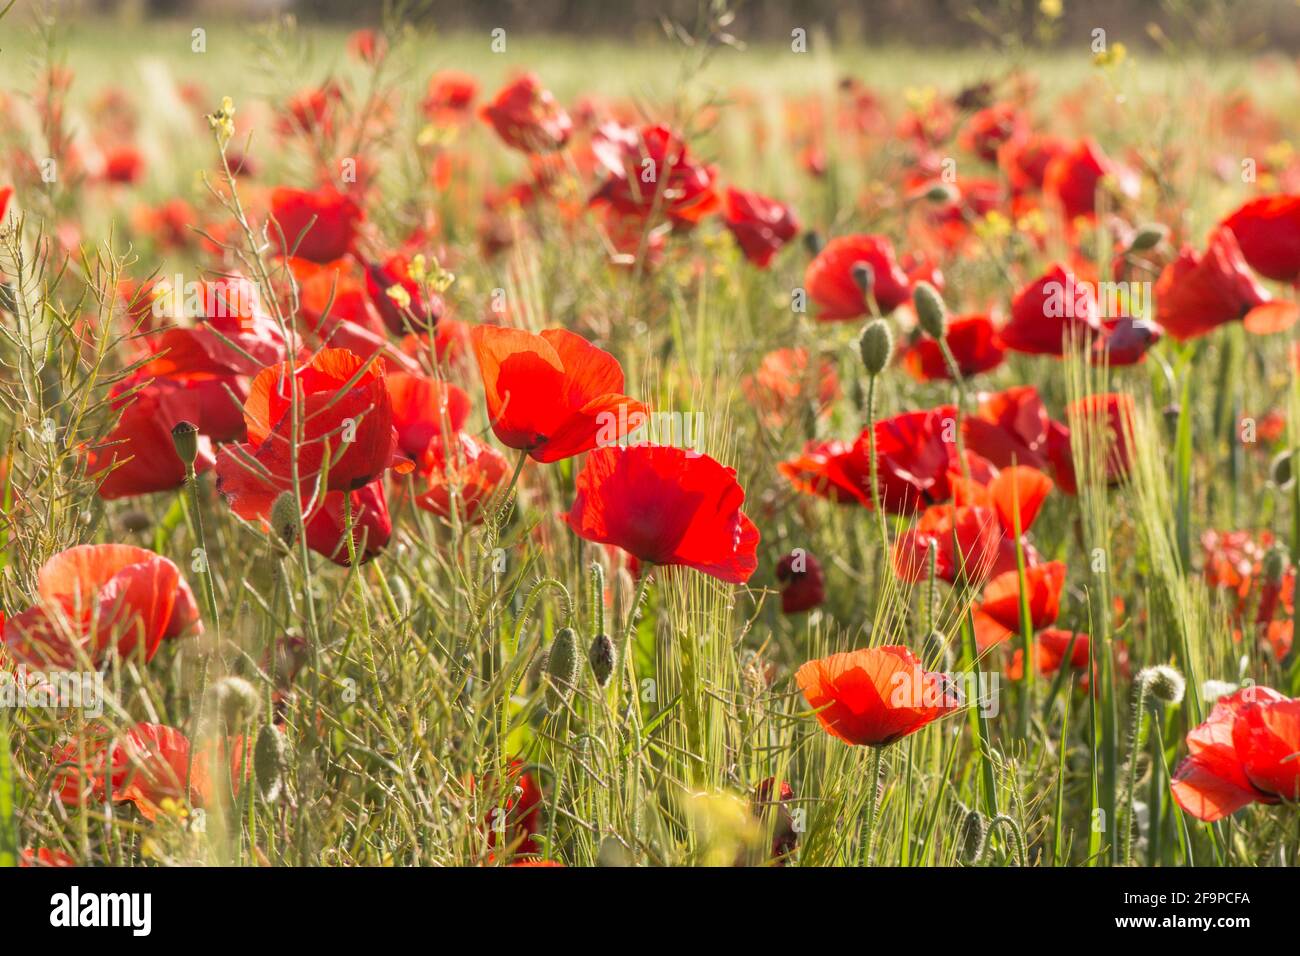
1148, 237
876, 346
185, 436
931, 313
1280, 471
561, 669
813, 242
1163, 683
601, 658
135, 520
235, 700
270, 761
941, 194
1276, 561
864, 276
974, 832
284, 517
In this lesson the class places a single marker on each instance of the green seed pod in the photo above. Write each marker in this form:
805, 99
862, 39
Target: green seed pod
185, 436
270, 762
876, 346
284, 518
941, 194
931, 313
1148, 237
1163, 683
601, 658
864, 276
561, 669
973, 836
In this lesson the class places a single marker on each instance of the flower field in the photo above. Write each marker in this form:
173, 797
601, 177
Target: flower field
505, 450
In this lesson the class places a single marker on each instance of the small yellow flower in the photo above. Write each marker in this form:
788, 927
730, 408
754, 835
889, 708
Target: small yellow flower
1113, 55
399, 295
1052, 9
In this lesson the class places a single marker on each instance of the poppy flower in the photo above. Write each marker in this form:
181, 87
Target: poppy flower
146, 766
94, 598
513, 825
459, 467
450, 94
1072, 177
974, 344
831, 469
326, 526
367, 45
1044, 583
916, 453
988, 129
666, 506
1114, 413
874, 696
831, 283
528, 118
975, 538
1267, 230
418, 309
1244, 753
1198, 292
761, 225
1024, 160
344, 424
124, 165
1125, 341
651, 172
770, 802
802, 585
782, 378
319, 226
1013, 427
45, 857
553, 395
1045, 312
1050, 647
6, 193
138, 457
423, 408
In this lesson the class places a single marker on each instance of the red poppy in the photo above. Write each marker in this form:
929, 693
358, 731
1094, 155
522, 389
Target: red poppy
831, 284
149, 764
138, 457
1113, 412
418, 311
344, 424
310, 110
450, 95
916, 453
1268, 232
831, 469
424, 408
1125, 341
989, 128
651, 172
319, 226
1025, 160
97, 597
976, 537
233, 332
666, 506
6, 193
1071, 179
1197, 293
528, 118
1013, 427
326, 527
1044, 583
553, 395
512, 825
124, 165
367, 45
761, 225
45, 857
460, 467
874, 696
1050, 648
1046, 312
802, 585
782, 378
1244, 753
973, 341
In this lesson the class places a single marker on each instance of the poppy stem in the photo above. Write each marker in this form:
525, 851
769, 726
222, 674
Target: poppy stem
873, 802
210, 599
875, 480
1137, 744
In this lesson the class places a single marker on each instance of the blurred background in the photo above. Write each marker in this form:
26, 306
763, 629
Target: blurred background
1170, 24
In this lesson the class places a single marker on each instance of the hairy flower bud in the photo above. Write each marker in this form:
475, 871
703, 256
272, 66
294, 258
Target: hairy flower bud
185, 436
931, 313
561, 669
284, 518
601, 658
1148, 237
270, 762
1163, 683
876, 346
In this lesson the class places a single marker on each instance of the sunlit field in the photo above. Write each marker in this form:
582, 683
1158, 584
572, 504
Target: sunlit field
500, 450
